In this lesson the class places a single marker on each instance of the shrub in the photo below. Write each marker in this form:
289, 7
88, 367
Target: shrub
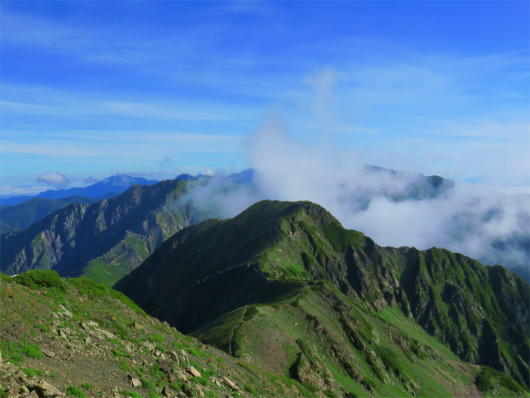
39, 279
251, 312
117, 353
148, 385
75, 392
483, 380
156, 372
200, 380
87, 386
197, 353
32, 372
32, 351
156, 338
125, 366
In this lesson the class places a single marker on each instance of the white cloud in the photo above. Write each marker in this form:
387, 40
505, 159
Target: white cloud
55, 179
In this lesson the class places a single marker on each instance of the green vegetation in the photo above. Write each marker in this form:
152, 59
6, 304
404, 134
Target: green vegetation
32, 372
487, 378
75, 392
38, 279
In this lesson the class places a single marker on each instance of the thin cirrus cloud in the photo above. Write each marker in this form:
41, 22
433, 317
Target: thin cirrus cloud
139, 144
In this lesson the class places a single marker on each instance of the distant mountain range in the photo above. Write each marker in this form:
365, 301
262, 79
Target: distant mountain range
24, 213
109, 186
103, 240
284, 286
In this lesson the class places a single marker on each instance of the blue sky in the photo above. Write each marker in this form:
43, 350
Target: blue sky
158, 88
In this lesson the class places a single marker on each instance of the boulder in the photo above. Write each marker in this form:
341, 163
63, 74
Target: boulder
45, 389
135, 382
193, 372
230, 384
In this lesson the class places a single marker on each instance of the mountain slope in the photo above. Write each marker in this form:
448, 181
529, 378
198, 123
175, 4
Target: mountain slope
24, 214
103, 240
115, 184
207, 278
76, 337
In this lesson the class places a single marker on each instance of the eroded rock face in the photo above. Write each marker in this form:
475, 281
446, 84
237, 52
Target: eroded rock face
122, 229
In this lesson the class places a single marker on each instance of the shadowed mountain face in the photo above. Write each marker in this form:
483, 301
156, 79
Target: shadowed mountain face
102, 240
352, 306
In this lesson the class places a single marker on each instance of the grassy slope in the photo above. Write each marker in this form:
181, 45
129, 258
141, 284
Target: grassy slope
346, 349
68, 318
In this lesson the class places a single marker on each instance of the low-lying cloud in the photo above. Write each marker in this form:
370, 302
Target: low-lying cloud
393, 208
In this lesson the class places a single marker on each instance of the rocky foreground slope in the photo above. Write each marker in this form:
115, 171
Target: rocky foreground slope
285, 287
76, 338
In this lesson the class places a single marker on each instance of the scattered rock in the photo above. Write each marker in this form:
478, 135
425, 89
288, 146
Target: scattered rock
108, 334
150, 346
193, 372
136, 325
45, 389
135, 382
65, 312
230, 384
50, 354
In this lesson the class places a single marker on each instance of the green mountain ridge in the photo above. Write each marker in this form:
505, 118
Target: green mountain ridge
240, 283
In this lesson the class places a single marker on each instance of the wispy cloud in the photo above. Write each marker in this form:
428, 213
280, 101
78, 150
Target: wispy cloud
7, 190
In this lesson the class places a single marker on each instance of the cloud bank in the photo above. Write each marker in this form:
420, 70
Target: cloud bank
393, 208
